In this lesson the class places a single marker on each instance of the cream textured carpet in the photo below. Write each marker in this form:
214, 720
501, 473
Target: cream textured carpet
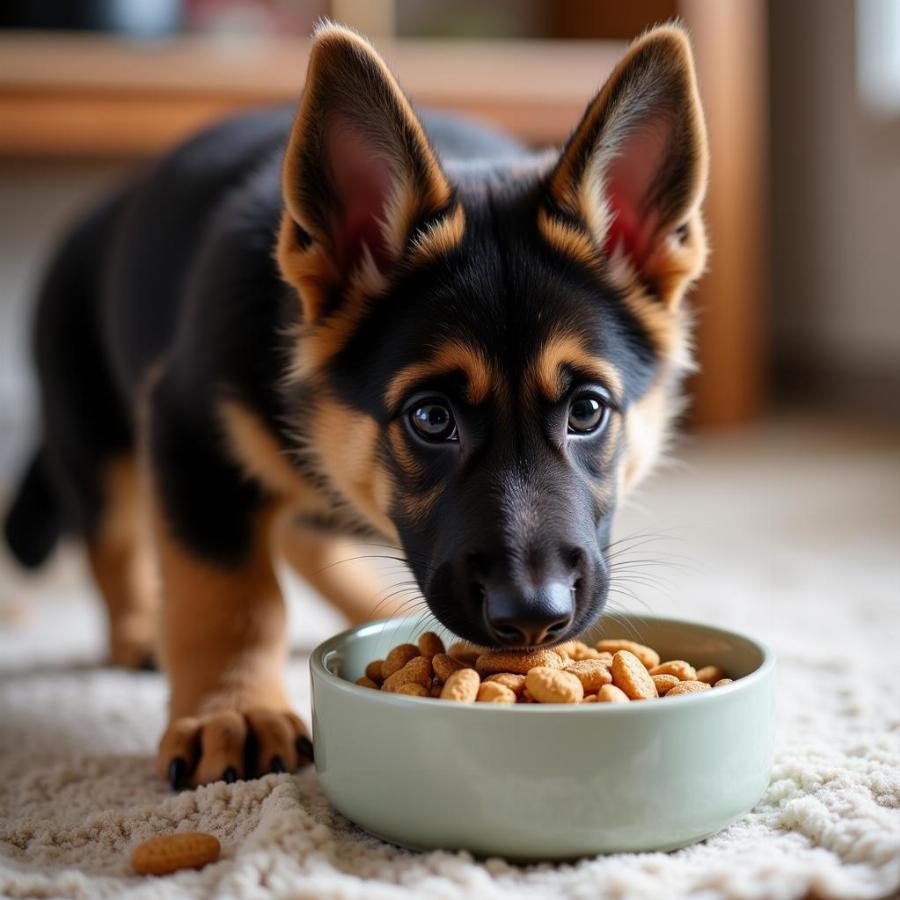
789, 530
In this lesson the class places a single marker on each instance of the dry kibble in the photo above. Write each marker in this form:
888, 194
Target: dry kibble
465, 652
413, 689
430, 645
494, 692
462, 686
416, 671
664, 683
374, 670
582, 651
687, 687
397, 659
646, 655
517, 661
590, 672
630, 676
444, 666
682, 670
515, 682
710, 674
609, 693
171, 852
617, 671
566, 649
551, 685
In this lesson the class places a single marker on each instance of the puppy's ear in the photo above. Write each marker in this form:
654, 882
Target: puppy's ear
634, 172
359, 173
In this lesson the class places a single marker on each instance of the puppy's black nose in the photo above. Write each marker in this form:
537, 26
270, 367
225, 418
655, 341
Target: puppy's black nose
528, 618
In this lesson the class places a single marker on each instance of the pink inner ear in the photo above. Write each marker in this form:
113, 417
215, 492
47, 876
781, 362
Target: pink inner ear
628, 178
363, 181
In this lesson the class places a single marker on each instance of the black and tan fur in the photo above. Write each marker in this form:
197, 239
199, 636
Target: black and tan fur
234, 348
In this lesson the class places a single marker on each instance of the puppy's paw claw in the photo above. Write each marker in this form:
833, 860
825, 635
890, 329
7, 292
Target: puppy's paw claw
177, 772
230, 745
305, 750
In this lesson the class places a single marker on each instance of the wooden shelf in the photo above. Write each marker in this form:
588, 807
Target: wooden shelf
84, 95
81, 96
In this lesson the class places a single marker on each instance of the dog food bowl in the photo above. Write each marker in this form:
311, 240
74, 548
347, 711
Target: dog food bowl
541, 782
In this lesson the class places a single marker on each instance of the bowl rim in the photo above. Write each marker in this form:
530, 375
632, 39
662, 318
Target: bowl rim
747, 682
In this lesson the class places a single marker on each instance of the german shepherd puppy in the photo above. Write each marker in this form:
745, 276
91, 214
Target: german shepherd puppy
363, 322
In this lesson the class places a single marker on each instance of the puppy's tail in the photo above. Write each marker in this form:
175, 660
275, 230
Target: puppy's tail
34, 521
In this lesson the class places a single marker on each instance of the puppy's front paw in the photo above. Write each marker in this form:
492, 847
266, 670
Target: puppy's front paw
232, 744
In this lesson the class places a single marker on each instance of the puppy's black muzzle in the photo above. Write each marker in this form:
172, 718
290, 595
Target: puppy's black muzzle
516, 560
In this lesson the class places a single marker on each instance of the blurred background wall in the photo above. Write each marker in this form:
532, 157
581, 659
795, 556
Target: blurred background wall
800, 306
835, 150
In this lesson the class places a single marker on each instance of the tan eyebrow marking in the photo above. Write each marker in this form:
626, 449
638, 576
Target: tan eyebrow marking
451, 357
569, 349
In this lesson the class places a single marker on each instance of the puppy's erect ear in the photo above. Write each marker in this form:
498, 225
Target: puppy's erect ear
634, 172
359, 173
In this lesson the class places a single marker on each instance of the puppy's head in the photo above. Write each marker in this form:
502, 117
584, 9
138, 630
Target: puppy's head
489, 354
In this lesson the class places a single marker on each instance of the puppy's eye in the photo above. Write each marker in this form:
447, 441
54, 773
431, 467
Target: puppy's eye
587, 414
433, 421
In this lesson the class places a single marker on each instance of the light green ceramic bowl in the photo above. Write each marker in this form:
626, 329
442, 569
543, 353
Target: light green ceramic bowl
531, 781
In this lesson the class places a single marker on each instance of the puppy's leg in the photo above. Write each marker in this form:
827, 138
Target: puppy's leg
223, 624
224, 648
121, 560
338, 568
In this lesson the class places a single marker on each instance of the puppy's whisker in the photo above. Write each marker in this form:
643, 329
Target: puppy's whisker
405, 552
395, 592
648, 581
618, 547
419, 627
410, 608
644, 536
404, 584
630, 613
599, 627
660, 558
407, 607
360, 557
626, 622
